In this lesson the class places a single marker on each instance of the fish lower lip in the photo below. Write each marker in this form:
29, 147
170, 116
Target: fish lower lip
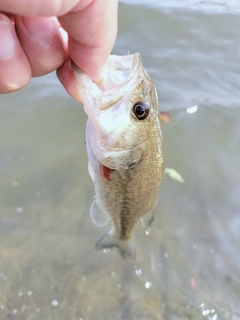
109, 148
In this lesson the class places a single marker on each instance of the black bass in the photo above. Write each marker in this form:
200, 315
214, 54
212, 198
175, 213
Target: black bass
125, 147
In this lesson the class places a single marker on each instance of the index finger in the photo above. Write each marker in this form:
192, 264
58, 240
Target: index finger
39, 7
92, 32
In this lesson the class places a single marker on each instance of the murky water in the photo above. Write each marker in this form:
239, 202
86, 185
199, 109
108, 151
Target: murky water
189, 266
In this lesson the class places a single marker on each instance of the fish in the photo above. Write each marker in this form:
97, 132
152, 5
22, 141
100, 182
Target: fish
125, 148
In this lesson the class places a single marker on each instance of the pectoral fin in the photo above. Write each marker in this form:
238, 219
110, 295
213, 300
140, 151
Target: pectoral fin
98, 215
126, 248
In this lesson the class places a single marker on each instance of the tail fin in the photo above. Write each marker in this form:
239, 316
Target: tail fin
126, 248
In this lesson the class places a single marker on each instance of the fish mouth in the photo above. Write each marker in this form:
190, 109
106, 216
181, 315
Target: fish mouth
113, 92
113, 88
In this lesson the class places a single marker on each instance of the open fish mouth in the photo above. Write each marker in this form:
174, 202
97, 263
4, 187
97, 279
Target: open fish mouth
120, 77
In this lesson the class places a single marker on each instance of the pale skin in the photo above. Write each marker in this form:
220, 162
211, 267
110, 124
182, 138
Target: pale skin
39, 36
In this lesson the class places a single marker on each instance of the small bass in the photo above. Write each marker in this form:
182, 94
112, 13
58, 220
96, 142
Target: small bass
125, 147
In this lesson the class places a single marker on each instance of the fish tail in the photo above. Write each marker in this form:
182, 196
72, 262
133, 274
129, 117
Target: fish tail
126, 248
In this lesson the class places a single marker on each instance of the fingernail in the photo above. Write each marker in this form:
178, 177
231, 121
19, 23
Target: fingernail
98, 81
100, 77
7, 45
38, 26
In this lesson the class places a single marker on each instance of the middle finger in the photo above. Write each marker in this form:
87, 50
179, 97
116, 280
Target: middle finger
42, 43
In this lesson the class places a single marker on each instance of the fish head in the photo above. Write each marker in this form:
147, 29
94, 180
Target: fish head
123, 111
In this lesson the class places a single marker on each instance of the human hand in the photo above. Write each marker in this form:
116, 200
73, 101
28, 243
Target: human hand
39, 36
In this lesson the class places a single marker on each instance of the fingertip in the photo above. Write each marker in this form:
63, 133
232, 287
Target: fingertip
15, 69
92, 33
67, 79
9, 85
43, 43
90, 59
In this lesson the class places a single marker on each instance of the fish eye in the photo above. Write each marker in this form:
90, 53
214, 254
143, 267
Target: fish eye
140, 110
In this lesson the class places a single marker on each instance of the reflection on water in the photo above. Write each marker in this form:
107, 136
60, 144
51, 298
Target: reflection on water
193, 56
188, 267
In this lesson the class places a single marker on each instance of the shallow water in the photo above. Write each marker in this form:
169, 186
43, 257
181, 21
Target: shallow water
189, 266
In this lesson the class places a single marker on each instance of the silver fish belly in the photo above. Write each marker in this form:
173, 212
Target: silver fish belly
125, 148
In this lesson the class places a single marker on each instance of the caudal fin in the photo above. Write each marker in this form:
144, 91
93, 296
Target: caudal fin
126, 248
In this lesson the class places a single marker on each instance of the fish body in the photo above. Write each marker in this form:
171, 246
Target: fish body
125, 147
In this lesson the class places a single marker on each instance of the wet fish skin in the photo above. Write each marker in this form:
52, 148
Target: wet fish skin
125, 154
